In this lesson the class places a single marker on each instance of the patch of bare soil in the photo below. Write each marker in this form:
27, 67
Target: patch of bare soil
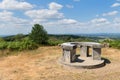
42, 64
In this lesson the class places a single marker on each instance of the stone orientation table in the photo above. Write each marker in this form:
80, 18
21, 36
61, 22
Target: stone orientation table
70, 58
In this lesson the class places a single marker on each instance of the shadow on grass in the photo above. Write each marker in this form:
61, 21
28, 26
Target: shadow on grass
107, 61
78, 60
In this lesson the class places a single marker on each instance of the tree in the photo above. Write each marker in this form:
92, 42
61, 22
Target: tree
39, 34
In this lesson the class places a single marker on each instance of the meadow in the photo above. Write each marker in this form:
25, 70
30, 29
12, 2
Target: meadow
42, 64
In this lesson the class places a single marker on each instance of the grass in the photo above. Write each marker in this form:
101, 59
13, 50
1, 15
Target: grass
42, 64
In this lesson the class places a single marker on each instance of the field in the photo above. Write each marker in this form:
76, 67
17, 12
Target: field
42, 64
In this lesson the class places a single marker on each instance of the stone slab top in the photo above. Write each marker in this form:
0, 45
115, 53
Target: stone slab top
81, 44
68, 46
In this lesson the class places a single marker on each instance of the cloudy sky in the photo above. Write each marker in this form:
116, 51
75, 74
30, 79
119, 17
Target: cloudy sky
60, 16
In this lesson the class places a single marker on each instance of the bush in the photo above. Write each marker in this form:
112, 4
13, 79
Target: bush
115, 44
112, 43
13, 45
25, 44
3, 45
1, 40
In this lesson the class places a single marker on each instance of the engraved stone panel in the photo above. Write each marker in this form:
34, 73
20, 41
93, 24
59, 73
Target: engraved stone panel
84, 51
96, 54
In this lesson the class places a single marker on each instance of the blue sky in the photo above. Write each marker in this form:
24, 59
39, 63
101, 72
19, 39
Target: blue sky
60, 16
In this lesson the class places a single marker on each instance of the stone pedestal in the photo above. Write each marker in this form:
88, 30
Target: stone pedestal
96, 54
84, 51
69, 53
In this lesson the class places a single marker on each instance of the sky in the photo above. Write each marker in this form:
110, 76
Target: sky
60, 16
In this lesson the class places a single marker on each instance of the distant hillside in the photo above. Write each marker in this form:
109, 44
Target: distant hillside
4, 35
101, 35
95, 35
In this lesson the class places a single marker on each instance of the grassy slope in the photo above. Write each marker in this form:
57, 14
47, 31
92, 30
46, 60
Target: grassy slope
42, 64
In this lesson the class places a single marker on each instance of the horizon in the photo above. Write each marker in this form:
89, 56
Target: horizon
67, 34
60, 17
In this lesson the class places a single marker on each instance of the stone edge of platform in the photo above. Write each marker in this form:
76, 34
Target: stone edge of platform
82, 66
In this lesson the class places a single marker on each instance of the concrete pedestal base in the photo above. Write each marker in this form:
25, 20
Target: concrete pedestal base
84, 62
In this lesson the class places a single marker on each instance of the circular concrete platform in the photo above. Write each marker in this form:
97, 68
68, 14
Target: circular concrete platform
84, 62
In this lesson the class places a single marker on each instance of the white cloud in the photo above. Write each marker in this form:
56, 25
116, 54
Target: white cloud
76, 0
62, 22
5, 15
116, 21
117, 0
12, 25
8, 17
67, 21
110, 13
55, 6
116, 5
99, 21
15, 5
69, 6
45, 14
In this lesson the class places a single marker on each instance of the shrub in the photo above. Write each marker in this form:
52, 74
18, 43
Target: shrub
25, 44
1, 40
3, 45
113, 43
13, 45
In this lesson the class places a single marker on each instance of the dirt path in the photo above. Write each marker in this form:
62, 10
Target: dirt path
42, 64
